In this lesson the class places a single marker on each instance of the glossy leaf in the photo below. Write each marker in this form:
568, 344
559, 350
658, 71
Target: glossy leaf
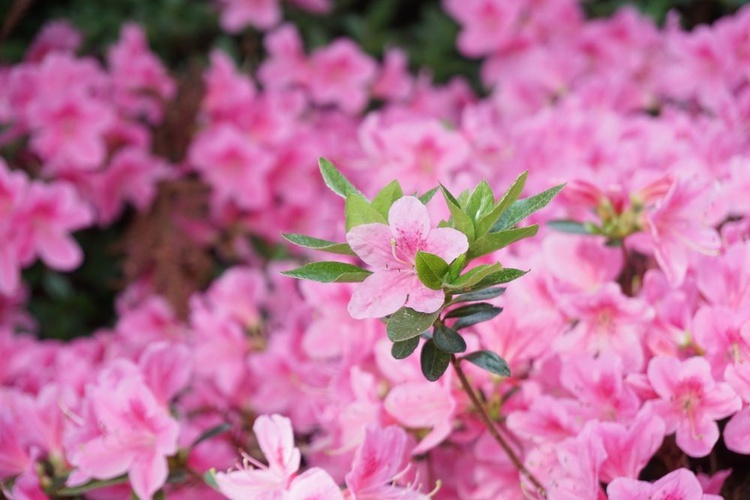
506, 275
473, 276
318, 244
569, 226
403, 349
359, 211
329, 272
489, 361
431, 269
433, 361
486, 294
427, 196
510, 196
491, 242
525, 207
335, 180
485, 313
407, 323
385, 198
448, 339
461, 221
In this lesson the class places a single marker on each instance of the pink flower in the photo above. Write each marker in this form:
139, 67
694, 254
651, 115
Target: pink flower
236, 15
279, 479
681, 484
340, 74
691, 401
56, 36
376, 463
391, 250
485, 24
126, 431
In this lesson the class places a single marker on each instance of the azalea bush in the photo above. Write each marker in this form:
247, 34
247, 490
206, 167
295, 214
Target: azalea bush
494, 250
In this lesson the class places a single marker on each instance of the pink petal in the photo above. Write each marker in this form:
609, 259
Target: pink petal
721, 401
381, 294
372, 244
242, 484
447, 243
315, 484
148, 474
104, 458
737, 432
419, 404
424, 299
678, 484
663, 375
410, 224
377, 460
59, 251
276, 439
697, 438
628, 489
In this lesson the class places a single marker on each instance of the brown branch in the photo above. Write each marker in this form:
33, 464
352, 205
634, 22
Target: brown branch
469, 390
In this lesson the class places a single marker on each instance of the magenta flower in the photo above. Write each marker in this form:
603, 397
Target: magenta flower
391, 250
691, 401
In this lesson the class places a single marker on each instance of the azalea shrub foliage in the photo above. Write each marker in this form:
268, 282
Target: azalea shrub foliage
341, 278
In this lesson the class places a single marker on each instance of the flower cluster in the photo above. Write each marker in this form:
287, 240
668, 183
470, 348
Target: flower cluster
620, 358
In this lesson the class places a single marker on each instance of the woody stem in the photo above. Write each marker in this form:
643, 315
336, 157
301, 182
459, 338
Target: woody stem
487, 421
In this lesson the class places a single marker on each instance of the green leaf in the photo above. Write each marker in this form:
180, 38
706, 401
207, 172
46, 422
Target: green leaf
525, 207
492, 242
511, 195
506, 275
210, 479
473, 276
318, 244
486, 294
489, 361
91, 485
210, 433
407, 323
484, 313
431, 269
329, 272
335, 180
426, 197
461, 221
569, 226
359, 211
385, 198
468, 310
434, 362
480, 202
448, 339
403, 349
455, 268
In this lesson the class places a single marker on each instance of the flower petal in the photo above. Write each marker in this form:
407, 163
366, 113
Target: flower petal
410, 224
381, 294
372, 244
447, 243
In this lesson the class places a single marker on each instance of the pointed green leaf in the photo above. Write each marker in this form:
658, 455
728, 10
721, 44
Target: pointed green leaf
506, 275
489, 361
212, 432
460, 220
468, 310
403, 349
448, 339
335, 180
511, 195
569, 226
329, 272
359, 211
492, 242
484, 312
473, 276
434, 362
385, 198
486, 294
525, 207
455, 268
431, 270
426, 197
318, 244
407, 323
480, 202
210, 479
77, 491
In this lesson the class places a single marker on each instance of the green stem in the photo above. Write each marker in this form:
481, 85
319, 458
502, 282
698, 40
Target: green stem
484, 416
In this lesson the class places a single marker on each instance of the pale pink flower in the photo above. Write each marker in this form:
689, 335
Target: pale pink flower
286, 63
228, 93
126, 431
681, 484
394, 81
340, 74
391, 250
55, 36
691, 401
278, 480
486, 24
723, 334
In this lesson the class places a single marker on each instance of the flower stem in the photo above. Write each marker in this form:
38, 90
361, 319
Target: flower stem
469, 390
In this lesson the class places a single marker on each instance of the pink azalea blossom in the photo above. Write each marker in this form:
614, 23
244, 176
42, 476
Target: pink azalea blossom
391, 250
237, 15
677, 484
340, 74
691, 401
278, 480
